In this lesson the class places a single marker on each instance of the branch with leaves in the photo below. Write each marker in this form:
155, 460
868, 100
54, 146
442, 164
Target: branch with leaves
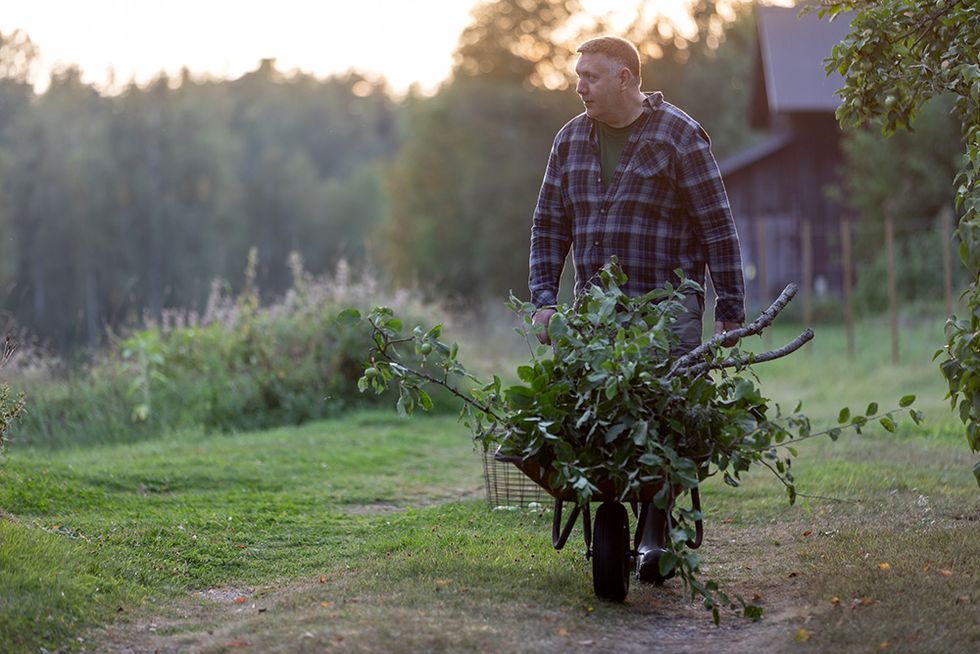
609, 404
898, 55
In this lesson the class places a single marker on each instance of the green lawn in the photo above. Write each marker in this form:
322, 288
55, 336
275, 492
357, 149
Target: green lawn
371, 531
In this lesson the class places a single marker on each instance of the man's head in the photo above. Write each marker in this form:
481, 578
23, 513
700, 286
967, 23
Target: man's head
608, 73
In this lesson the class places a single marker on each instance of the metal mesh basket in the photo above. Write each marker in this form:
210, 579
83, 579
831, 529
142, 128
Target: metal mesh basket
510, 489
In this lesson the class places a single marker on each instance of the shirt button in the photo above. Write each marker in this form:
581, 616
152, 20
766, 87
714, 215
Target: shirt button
596, 243
602, 211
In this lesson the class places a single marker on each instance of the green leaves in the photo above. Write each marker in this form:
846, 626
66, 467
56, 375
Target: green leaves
888, 79
349, 317
605, 410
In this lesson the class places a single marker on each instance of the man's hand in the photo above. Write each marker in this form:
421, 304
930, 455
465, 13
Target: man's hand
721, 327
543, 317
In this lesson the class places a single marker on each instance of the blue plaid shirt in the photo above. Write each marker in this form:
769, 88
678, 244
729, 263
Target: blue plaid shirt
665, 208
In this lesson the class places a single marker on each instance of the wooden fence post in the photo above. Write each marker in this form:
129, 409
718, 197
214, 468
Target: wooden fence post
892, 283
807, 255
762, 266
847, 281
946, 229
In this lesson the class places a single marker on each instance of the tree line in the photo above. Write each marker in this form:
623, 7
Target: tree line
114, 208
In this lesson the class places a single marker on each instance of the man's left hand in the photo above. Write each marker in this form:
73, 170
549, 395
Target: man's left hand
722, 327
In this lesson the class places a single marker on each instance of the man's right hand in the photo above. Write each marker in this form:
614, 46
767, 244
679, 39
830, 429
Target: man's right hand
543, 317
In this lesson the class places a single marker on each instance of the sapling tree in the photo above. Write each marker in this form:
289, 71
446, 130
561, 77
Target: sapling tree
609, 404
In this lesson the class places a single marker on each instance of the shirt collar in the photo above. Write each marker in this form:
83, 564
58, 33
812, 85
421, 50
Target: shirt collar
654, 100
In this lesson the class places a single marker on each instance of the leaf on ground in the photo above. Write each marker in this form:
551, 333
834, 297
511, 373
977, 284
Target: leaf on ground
323, 579
963, 599
563, 632
883, 644
240, 600
237, 643
326, 605
946, 573
808, 532
835, 600
884, 566
802, 635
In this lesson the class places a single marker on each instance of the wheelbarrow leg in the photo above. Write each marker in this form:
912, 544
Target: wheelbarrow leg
653, 539
652, 532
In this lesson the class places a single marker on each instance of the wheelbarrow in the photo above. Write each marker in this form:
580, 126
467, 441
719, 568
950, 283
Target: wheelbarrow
608, 544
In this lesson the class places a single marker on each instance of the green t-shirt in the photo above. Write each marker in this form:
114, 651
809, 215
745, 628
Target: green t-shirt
612, 141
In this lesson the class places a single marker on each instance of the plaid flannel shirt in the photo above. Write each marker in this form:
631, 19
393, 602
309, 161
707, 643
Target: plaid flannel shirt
665, 208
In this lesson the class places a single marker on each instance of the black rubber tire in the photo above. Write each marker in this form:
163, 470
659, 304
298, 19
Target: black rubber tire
611, 552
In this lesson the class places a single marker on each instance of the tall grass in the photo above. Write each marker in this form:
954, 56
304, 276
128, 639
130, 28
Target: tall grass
240, 365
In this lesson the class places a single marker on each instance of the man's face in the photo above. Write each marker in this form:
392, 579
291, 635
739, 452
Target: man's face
599, 85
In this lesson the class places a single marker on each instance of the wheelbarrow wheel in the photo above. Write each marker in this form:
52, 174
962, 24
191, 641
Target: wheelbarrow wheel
611, 552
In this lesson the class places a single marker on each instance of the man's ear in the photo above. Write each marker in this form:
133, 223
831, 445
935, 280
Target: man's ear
625, 77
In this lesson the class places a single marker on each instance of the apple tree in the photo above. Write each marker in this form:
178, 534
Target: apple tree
897, 55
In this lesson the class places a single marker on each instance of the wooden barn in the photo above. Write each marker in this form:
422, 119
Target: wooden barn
789, 228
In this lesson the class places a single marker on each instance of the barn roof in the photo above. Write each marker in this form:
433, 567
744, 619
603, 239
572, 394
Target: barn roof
754, 153
789, 68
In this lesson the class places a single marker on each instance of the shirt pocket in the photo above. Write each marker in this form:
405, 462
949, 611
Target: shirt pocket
651, 175
652, 159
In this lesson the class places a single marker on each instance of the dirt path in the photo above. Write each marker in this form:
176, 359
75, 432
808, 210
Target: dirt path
294, 617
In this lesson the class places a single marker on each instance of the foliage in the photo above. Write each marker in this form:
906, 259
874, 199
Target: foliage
240, 365
463, 184
516, 41
10, 408
613, 406
898, 55
918, 278
909, 175
116, 206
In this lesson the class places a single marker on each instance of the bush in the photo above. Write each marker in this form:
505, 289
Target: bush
239, 366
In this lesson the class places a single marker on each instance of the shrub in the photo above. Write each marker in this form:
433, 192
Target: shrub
238, 366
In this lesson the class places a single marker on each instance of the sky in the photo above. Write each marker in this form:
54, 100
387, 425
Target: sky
406, 41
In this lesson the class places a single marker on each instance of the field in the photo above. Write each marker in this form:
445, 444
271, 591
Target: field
370, 533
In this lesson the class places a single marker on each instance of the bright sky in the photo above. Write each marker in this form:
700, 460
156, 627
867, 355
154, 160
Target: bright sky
405, 40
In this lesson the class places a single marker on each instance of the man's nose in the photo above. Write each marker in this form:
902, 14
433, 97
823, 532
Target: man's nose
580, 88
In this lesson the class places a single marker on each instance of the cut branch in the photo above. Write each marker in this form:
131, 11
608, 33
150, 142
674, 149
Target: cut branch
732, 362
765, 319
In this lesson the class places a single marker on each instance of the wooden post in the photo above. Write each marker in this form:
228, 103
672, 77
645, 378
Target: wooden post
892, 284
807, 256
847, 281
762, 266
946, 231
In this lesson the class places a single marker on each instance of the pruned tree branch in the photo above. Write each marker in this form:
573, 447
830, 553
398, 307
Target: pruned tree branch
765, 319
732, 362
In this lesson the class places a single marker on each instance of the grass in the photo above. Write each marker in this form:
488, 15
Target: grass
369, 532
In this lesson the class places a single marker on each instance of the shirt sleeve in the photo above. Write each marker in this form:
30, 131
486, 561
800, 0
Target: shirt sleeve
551, 235
704, 192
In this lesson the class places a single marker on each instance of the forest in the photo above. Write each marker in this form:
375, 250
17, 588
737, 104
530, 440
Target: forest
117, 208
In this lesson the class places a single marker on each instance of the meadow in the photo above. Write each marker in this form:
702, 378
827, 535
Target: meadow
369, 532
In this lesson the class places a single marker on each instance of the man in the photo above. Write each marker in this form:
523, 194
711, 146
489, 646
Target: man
633, 176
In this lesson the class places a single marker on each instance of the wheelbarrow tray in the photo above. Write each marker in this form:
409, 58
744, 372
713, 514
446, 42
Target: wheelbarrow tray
541, 475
